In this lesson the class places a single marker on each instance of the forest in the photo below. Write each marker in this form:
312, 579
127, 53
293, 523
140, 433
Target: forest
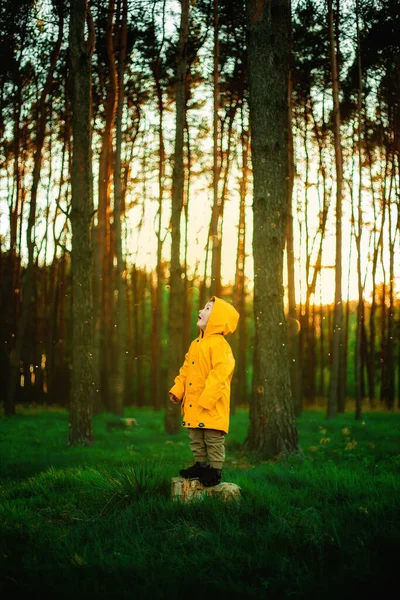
164, 158
171, 198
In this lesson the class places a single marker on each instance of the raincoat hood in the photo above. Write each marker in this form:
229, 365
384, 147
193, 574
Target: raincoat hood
223, 319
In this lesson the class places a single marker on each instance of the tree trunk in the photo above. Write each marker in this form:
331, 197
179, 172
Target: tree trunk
188, 292
217, 248
391, 319
213, 234
240, 387
307, 331
135, 364
82, 388
102, 243
376, 244
130, 356
323, 217
157, 284
172, 420
293, 321
120, 342
272, 422
383, 360
337, 341
9, 299
138, 289
44, 307
360, 307
381, 249
321, 386
388, 370
342, 400
306, 366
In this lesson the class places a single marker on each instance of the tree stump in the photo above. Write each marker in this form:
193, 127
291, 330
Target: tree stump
129, 422
187, 490
122, 423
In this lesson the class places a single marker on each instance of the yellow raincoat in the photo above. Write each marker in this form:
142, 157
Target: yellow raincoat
204, 380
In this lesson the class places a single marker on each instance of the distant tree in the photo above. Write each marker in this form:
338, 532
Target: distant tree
28, 284
120, 343
214, 234
239, 346
15, 78
176, 303
229, 82
106, 90
359, 363
232, 87
293, 316
152, 46
337, 375
309, 72
197, 37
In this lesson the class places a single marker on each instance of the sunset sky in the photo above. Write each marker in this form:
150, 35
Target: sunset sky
144, 243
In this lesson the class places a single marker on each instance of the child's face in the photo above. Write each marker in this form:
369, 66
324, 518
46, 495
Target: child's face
204, 315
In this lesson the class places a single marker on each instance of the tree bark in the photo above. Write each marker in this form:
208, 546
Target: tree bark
157, 284
214, 234
337, 339
102, 243
321, 385
388, 369
82, 385
272, 422
188, 291
360, 307
217, 248
376, 246
293, 321
239, 381
120, 341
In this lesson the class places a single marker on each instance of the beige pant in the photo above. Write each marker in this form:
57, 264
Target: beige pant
208, 441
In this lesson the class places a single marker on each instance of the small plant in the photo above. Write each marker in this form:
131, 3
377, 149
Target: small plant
138, 480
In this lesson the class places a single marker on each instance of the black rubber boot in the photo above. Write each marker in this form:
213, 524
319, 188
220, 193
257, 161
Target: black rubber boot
193, 472
211, 476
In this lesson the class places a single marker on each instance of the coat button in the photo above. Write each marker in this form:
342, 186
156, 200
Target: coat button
188, 424
190, 383
183, 423
190, 405
192, 362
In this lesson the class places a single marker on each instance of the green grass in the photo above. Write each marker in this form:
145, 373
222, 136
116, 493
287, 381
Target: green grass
99, 522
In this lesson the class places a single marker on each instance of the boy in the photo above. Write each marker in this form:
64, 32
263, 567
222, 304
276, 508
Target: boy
203, 386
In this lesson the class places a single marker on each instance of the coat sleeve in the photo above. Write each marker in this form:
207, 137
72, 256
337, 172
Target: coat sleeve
178, 389
219, 378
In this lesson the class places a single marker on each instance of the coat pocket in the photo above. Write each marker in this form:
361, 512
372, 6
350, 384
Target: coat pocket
212, 412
